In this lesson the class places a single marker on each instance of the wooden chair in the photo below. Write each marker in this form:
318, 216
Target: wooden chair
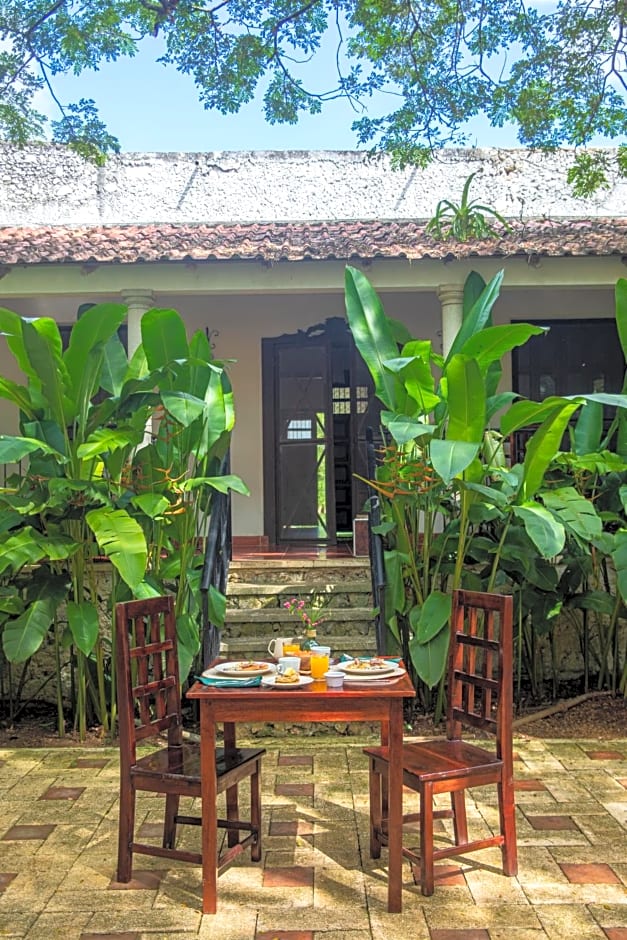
149, 706
480, 679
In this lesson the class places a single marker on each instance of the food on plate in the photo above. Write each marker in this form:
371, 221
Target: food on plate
289, 677
376, 664
249, 665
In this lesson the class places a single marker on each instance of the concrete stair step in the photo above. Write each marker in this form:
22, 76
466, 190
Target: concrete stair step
258, 645
278, 615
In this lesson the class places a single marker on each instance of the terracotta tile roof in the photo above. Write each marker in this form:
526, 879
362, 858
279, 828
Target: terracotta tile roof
299, 241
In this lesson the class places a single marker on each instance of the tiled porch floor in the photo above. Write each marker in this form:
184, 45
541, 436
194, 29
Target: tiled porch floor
58, 818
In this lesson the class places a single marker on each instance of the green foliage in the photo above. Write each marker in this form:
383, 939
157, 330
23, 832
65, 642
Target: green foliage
454, 514
554, 71
466, 219
92, 483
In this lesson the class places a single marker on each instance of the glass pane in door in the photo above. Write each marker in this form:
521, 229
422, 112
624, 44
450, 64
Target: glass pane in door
302, 470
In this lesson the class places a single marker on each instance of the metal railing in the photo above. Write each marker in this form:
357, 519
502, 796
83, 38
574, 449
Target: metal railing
215, 572
375, 541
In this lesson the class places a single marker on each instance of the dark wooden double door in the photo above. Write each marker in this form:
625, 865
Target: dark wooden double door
318, 401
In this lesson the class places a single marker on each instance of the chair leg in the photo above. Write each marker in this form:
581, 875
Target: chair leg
232, 814
255, 811
376, 812
426, 839
507, 815
460, 824
126, 829
172, 801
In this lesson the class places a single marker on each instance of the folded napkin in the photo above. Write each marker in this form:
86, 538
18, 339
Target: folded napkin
229, 683
345, 658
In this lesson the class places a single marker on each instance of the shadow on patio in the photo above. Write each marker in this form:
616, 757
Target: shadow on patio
58, 843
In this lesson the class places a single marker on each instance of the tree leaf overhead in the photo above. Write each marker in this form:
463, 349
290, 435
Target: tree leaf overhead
414, 74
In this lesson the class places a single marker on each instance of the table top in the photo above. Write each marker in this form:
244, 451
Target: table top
395, 687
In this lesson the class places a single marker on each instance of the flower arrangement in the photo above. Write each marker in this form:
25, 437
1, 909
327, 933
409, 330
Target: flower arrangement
298, 607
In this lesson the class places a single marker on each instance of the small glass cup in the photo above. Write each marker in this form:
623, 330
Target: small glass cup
319, 661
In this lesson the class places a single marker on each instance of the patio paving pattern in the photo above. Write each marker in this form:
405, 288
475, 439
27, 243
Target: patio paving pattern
58, 844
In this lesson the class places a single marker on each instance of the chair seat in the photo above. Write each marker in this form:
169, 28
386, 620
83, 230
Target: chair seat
167, 763
441, 759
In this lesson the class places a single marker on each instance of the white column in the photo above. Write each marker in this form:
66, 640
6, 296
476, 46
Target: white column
138, 302
451, 297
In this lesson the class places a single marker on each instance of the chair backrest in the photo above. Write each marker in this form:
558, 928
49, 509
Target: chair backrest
480, 674
148, 685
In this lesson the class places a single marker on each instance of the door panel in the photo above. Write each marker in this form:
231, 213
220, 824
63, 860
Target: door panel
318, 400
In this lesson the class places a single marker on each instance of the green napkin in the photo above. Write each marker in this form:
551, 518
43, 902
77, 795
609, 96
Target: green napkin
229, 683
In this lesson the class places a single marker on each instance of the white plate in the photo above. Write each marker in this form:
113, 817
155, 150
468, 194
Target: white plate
271, 683
366, 669
253, 668
373, 676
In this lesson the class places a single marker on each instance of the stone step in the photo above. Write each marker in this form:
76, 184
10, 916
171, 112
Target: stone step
283, 619
320, 597
257, 646
297, 571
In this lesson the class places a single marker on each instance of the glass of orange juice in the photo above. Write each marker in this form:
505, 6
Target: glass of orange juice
291, 649
319, 661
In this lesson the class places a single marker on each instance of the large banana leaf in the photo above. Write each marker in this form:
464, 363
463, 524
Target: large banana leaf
49, 367
18, 394
371, 332
95, 327
619, 557
543, 446
14, 449
84, 625
222, 484
405, 429
163, 337
108, 440
184, 407
575, 511
524, 413
417, 378
466, 400
429, 659
493, 342
23, 636
433, 616
20, 549
450, 458
586, 436
122, 540
478, 316
620, 295
544, 530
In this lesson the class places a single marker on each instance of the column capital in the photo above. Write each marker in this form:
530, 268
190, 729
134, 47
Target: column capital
450, 293
138, 297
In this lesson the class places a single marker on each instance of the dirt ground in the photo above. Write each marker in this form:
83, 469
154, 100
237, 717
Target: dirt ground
600, 717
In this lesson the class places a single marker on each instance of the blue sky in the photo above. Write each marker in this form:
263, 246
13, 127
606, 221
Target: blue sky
149, 107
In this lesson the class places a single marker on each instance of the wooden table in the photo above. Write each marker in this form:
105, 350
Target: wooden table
380, 700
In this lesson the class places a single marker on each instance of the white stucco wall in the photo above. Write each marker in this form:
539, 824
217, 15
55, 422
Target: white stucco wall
48, 185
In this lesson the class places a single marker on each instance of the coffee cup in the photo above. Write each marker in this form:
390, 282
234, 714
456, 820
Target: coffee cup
288, 662
276, 646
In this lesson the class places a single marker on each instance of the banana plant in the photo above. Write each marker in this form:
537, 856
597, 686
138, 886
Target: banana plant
94, 483
453, 512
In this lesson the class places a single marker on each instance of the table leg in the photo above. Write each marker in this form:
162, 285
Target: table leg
232, 802
208, 785
395, 808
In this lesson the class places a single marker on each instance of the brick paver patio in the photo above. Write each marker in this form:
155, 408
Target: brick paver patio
58, 837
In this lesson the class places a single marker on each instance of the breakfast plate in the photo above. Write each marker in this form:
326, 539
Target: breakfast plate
271, 682
244, 668
368, 667
393, 673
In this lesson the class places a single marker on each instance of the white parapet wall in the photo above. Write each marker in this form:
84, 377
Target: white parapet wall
49, 185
